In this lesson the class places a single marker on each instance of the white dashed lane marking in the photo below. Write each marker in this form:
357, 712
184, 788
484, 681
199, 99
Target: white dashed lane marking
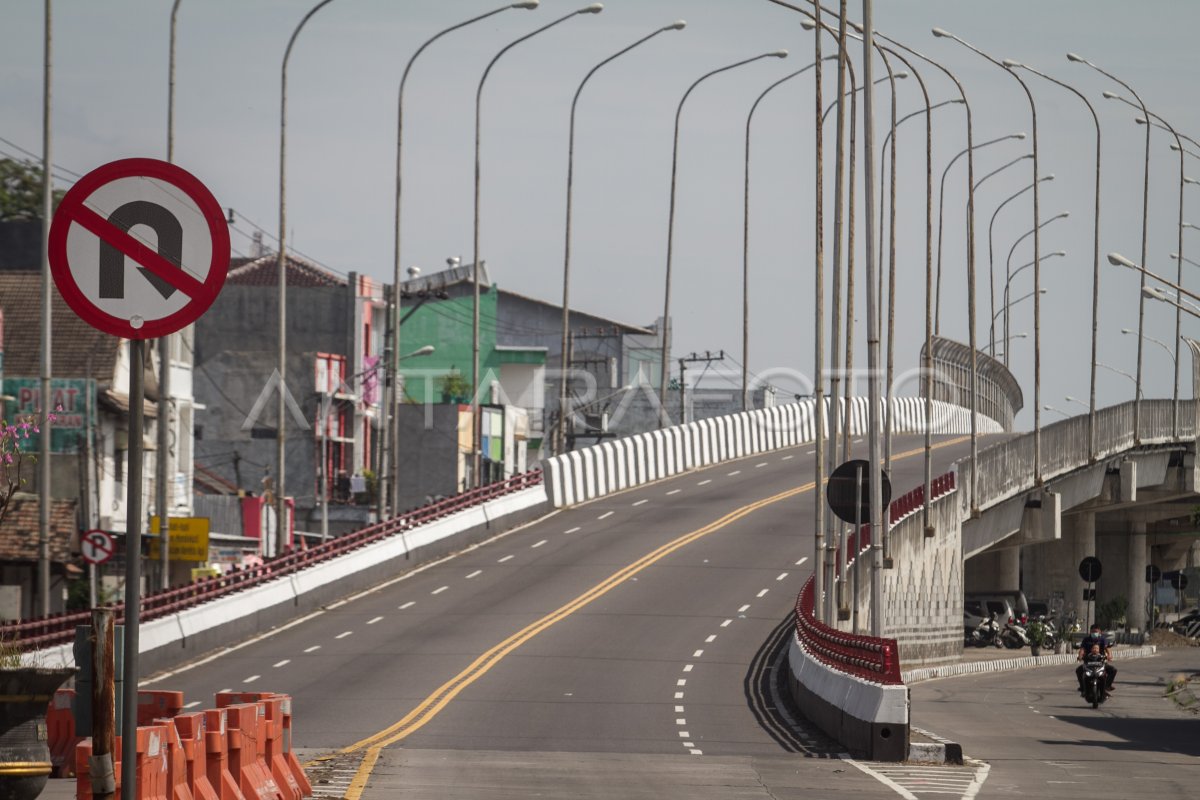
688, 667
252, 679
639, 502
313, 648
735, 472
697, 654
572, 530
344, 634
744, 609
711, 639
475, 574
782, 575
506, 558
605, 515
439, 590
537, 544
674, 491
704, 482
763, 592
760, 466
193, 704
785, 458
282, 663
801, 561
373, 621
409, 604
725, 624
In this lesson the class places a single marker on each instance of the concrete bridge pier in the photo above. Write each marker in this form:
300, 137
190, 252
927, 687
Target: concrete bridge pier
1135, 616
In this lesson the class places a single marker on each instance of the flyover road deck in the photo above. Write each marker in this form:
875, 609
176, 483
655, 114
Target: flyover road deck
622, 648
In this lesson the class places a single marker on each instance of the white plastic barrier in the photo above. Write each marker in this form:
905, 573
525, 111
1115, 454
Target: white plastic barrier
583, 475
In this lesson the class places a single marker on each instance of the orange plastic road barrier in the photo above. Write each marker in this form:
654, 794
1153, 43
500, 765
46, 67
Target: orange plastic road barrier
254, 779
190, 728
275, 745
216, 756
152, 761
157, 704
61, 737
177, 772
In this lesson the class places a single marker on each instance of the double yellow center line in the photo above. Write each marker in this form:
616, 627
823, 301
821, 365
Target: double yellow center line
441, 697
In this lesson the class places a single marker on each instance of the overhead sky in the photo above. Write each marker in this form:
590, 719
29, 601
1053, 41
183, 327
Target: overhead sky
110, 101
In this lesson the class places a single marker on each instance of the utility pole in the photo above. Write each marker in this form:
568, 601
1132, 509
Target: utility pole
707, 358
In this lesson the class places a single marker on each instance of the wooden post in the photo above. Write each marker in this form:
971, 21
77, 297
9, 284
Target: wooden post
103, 705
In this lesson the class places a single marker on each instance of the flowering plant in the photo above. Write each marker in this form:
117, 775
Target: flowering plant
13, 453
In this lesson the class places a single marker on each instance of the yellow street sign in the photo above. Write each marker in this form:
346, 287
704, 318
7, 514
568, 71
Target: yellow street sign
188, 538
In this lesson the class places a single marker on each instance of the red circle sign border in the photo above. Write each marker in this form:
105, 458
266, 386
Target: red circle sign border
147, 168
108, 554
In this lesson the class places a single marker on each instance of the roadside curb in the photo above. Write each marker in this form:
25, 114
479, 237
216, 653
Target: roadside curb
1006, 664
940, 751
943, 751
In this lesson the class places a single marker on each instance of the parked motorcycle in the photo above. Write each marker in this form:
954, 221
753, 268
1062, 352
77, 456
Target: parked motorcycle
1014, 635
1095, 675
986, 634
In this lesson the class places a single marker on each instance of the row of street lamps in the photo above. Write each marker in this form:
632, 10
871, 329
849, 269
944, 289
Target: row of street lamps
811, 21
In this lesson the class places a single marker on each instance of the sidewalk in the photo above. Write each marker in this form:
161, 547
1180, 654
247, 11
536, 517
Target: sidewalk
992, 659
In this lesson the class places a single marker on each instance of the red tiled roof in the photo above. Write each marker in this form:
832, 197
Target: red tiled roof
77, 349
19, 530
264, 271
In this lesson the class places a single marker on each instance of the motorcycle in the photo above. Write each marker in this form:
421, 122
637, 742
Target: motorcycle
1014, 636
1095, 678
986, 634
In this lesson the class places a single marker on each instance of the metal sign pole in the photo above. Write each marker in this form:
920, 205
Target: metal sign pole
133, 572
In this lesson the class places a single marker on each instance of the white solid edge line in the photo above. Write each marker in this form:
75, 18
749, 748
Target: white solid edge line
162, 676
982, 768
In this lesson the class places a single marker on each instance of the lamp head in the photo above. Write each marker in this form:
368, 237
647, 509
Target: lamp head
594, 8
1049, 177
1076, 58
1175, 147
527, 4
1008, 62
1186, 179
1110, 95
1063, 215
778, 54
1153, 292
807, 24
1059, 253
1019, 135
1118, 260
677, 25
939, 32
1140, 120
1174, 256
901, 75
1126, 330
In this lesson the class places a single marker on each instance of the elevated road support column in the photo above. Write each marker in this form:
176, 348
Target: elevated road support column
1083, 541
1135, 616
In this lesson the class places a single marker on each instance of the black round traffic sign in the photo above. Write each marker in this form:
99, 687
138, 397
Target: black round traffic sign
842, 490
1089, 569
1179, 581
1153, 574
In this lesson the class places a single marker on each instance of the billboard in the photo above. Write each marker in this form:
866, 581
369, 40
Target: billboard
71, 400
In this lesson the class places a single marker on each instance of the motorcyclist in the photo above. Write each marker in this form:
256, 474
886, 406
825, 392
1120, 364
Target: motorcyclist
1098, 643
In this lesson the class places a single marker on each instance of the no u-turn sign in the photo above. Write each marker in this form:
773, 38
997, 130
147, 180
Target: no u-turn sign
138, 248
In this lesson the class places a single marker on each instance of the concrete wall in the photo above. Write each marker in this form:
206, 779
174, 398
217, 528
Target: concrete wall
427, 452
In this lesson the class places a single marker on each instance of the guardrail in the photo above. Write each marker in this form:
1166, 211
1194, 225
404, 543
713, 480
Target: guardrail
867, 657
60, 628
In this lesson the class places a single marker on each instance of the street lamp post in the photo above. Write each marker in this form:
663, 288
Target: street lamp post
1095, 251
928, 365
666, 331
1148, 121
1013, 249
476, 478
389, 473
281, 261
991, 252
1159, 342
966, 151
746, 233
1137, 394
1037, 274
564, 410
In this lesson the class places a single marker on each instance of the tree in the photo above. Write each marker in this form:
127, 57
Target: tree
21, 191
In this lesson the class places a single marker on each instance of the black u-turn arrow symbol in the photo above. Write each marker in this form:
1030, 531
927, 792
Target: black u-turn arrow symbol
170, 247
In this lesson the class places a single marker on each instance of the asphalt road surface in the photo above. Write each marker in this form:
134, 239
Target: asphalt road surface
623, 648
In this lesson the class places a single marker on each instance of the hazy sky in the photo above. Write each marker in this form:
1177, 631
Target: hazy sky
110, 98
